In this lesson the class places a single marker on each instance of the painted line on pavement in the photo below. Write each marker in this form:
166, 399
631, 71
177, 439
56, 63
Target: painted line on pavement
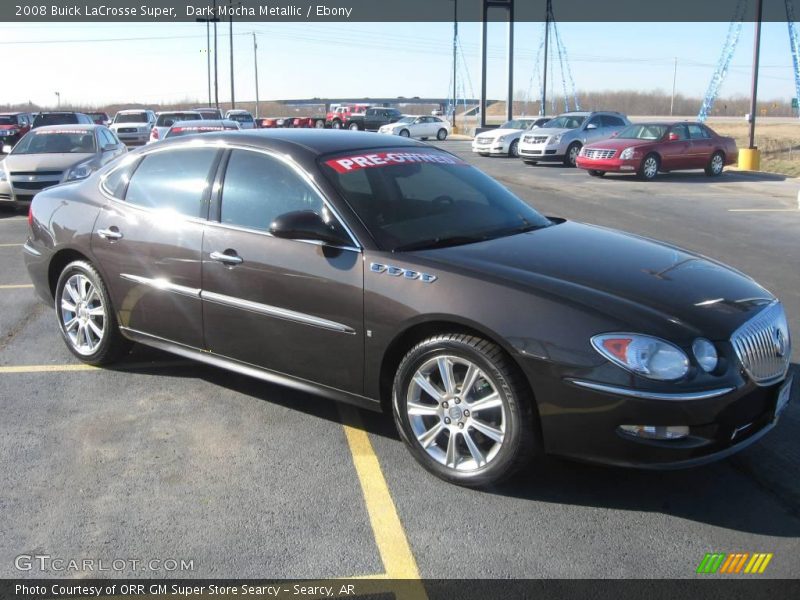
16, 286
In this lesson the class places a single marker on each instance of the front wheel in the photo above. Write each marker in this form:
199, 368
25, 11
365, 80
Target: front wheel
354, 127
513, 149
463, 410
319, 124
441, 135
596, 173
571, 157
649, 167
715, 165
85, 316
336, 125
404, 133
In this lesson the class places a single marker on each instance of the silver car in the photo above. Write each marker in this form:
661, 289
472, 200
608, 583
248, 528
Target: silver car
53, 154
243, 117
563, 137
133, 126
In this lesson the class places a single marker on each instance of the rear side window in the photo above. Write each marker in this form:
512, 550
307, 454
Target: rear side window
697, 132
174, 180
116, 182
259, 188
611, 121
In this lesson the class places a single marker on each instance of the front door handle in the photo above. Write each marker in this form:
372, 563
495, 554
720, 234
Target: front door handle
229, 257
112, 233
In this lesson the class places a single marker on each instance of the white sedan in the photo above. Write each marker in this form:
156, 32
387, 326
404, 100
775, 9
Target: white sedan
505, 139
418, 126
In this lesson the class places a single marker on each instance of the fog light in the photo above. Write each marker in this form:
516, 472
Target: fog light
656, 432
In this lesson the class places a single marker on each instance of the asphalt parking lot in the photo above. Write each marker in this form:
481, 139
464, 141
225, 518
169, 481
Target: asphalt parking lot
161, 458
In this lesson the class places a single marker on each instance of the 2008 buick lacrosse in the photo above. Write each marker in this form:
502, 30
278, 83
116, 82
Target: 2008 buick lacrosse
391, 274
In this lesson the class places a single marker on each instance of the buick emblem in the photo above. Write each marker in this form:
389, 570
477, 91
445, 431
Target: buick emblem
779, 340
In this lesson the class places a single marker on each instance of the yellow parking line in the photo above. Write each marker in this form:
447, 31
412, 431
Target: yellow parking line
83, 367
763, 210
390, 537
10, 245
16, 286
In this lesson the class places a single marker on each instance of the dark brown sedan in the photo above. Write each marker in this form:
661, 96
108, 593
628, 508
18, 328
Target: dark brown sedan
390, 274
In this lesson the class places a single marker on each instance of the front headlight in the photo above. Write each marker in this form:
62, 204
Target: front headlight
81, 171
556, 138
3, 174
706, 354
627, 154
10, 132
644, 355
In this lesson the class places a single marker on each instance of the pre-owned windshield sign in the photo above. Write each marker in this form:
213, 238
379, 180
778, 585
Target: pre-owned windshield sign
346, 164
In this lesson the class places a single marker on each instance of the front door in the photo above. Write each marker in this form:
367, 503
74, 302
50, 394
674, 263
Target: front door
148, 242
676, 153
294, 307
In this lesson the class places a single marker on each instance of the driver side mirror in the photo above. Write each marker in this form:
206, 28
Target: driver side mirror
673, 137
591, 126
615, 134
305, 225
109, 147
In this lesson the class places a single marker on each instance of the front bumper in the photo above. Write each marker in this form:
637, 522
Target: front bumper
542, 152
616, 165
583, 422
133, 139
16, 198
493, 147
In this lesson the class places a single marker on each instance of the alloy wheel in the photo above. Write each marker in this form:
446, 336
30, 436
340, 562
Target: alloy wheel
83, 314
650, 167
456, 413
716, 164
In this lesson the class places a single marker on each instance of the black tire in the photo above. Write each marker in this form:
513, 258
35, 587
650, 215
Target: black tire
112, 345
336, 124
441, 135
715, 164
530, 162
513, 149
572, 154
649, 167
519, 439
596, 173
354, 127
404, 133
319, 124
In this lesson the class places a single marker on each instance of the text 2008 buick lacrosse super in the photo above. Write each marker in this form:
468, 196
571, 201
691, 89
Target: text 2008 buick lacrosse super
391, 274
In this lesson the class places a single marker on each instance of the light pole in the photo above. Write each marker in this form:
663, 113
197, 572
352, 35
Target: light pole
208, 54
754, 91
255, 67
230, 22
216, 68
455, 63
674, 81
58, 99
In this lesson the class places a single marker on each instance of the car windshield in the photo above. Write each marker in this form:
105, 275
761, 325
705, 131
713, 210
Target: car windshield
139, 117
414, 198
566, 122
55, 119
8, 121
77, 141
241, 118
168, 119
516, 124
209, 113
643, 131
407, 120
97, 115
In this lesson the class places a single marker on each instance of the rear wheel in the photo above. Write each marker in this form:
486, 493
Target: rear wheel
513, 149
337, 124
404, 133
649, 167
354, 127
319, 124
715, 165
463, 410
441, 135
85, 316
571, 157
596, 173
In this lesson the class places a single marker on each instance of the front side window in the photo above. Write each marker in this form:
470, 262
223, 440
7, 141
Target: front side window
566, 122
426, 198
259, 188
680, 131
643, 131
174, 180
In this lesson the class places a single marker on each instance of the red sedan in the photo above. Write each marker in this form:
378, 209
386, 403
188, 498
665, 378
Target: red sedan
649, 148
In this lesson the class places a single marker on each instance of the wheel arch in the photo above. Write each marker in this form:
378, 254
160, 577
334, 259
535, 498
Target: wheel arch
57, 263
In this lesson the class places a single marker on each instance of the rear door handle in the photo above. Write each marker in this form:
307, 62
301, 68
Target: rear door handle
112, 233
229, 259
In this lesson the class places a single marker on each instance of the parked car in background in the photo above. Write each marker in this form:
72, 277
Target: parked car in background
649, 148
267, 123
243, 117
418, 126
133, 126
13, 125
182, 128
166, 119
378, 116
207, 112
341, 116
391, 274
99, 118
53, 154
60, 118
504, 140
564, 136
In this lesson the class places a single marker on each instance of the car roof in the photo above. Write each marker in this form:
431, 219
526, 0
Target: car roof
177, 112
313, 142
668, 123
9, 114
60, 112
236, 110
134, 110
205, 123
70, 127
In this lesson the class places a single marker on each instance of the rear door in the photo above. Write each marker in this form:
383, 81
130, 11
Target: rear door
702, 145
290, 306
148, 241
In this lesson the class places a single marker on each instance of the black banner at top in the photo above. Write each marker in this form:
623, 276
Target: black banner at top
394, 10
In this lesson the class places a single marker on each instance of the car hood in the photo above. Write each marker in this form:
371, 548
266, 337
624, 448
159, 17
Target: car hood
118, 125
495, 133
646, 285
549, 131
44, 162
619, 144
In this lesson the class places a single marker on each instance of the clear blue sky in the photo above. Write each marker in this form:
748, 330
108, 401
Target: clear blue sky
382, 59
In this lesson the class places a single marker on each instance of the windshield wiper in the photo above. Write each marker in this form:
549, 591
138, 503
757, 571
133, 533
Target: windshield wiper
440, 242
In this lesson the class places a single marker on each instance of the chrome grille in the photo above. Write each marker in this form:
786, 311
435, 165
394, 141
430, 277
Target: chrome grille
534, 139
763, 345
598, 153
484, 140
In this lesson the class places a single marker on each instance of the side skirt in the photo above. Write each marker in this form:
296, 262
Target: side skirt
236, 366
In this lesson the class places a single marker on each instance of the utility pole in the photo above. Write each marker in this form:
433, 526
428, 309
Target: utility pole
756, 55
674, 81
208, 59
58, 99
230, 21
510, 103
216, 66
543, 110
255, 67
455, 63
